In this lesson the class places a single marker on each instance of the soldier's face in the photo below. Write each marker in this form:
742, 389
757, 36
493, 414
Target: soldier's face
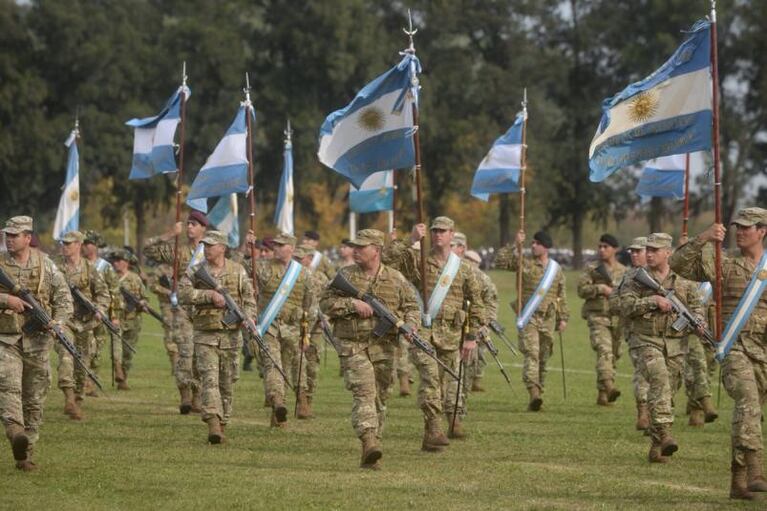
89, 250
70, 248
15, 243
194, 230
657, 257
365, 256
267, 253
537, 249
605, 251
638, 257
747, 237
441, 237
214, 252
120, 265
345, 251
283, 252
459, 250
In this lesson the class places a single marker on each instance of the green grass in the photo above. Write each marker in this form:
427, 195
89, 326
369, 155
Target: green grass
135, 451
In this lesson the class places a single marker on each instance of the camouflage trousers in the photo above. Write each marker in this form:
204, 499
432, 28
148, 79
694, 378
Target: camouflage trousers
182, 337
312, 361
368, 375
606, 342
474, 366
131, 332
219, 369
70, 374
664, 376
745, 380
536, 343
402, 363
696, 382
24, 382
641, 387
437, 390
282, 341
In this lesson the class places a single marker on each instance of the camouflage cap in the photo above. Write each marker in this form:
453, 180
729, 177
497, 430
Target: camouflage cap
94, 237
473, 256
638, 243
300, 252
367, 237
459, 239
751, 216
284, 239
119, 254
442, 222
214, 238
659, 240
18, 224
73, 236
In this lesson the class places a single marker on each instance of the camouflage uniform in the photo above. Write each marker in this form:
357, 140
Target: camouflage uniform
130, 321
536, 341
325, 267
475, 366
312, 356
604, 324
160, 283
697, 381
25, 374
100, 333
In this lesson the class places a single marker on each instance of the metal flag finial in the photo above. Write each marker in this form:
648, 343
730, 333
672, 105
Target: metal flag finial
713, 11
524, 98
410, 32
183, 74
246, 90
288, 132
76, 129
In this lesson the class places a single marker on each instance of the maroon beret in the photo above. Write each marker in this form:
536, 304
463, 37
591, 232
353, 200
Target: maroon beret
198, 216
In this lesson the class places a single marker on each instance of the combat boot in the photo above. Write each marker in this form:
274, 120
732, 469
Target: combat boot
697, 418
196, 401
455, 427
223, 432
404, 385
371, 450
71, 408
119, 373
122, 383
476, 385
215, 435
433, 437
643, 416
19, 441
708, 409
668, 445
655, 456
303, 411
535, 399
612, 393
738, 488
602, 398
279, 413
756, 481
186, 400
89, 389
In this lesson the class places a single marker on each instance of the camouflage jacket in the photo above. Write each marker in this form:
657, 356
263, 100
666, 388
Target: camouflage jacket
161, 282
162, 251
132, 283
614, 301
326, 267
489, 294
269, 273
107, 271
595, 303
47, 284
695, 260
91, 284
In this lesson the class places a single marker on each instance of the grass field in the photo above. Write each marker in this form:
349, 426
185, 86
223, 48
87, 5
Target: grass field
134, 451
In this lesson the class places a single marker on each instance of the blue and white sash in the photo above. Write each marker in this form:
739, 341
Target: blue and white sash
439, 292
316, 258
198, 256
742, 312
280, 296
101, 265
540, 292
704, 290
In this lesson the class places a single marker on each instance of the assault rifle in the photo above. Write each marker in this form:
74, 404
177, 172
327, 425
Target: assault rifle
387, 320
500, 331
685, 318
38, 319
234, 315
133, 303
601, 271
493, 349
327, 332
92, 309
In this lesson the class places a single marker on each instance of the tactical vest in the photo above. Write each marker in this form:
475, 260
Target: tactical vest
359, 329
81, 282
209, 317
292, 311
736, 279
656, 323
31, 278
600, 304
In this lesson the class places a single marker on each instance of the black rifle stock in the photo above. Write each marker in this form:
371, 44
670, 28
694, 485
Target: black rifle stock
603, 274
499, 330
92, 309
387, 320
685, 318
133, 303
493, 349
327, 332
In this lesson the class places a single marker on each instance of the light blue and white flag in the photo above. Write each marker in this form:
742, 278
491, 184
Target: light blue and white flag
283, 215
68, 215
669, 112
375, 194
499, 170
226, 170
663, 177
153, 149
224, 217
375, 131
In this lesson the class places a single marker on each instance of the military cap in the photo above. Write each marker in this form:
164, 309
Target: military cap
544, 239
442, 222
751, 216
659, 240
199, 217
345, 241
267, 243
367, 237
73, 236
284, 239
119, 254
214, 238
301, 251
18, 224
610, 240
638, 243
459, 239
94, 237
473, 256
312, 235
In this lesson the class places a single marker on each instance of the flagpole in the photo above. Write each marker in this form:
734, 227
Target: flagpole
179, 180
352, 224
522, 192
410, 32
392, 215
686, 207
289, 142
717, 173
251, 181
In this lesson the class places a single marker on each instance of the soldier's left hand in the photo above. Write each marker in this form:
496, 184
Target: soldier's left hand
469, 345
561, 326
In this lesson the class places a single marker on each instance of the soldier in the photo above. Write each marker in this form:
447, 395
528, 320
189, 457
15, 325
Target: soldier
319, 261
595, 286
284, 294
368, 360
544, 310
161, 249
24, 364
217, 345
346, 253
659, 347
450, 284
161, 284
131, 319
744, 311
80, 274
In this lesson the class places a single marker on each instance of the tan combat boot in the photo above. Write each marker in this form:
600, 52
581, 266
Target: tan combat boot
602, 398
371, 450
643, 416
303, 411
655, 456
279, 413
186, 400
433, 437
404, 385
668, 445
122, 383
708, 409
697, 418
455, 427
535, 399
119, 373
738, 488
89, 388
71, 408
215, 435
476, 385
756, 480
196, 400
611, 391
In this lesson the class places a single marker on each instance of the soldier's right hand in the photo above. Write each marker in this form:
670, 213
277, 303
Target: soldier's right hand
217, 299
363, 309
519, 239
178, 228
251, 237
664, 304
716, 232
17, 305
605, 289
418, 233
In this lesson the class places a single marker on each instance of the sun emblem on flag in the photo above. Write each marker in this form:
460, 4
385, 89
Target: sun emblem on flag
762, 275
371, 119
74, 195
643, 106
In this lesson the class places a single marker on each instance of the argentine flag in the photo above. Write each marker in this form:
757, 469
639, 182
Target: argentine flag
283, 215
68, 215
375, 131
153, 149
226, 170
663, 177
224, 217
375, 194
669, 112
499, 170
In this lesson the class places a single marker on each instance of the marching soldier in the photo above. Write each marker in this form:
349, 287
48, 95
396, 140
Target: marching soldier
319, 261
743, 346
368, 360
544, 311
130, 319
595, 286
24, 364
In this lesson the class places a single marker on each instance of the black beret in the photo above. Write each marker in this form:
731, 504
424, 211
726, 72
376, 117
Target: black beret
312, 235
610, 240
544, 239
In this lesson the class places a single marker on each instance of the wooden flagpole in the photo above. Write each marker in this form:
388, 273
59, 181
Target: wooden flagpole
251, 180
179, 182
717, 173
522, 193
686, 207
